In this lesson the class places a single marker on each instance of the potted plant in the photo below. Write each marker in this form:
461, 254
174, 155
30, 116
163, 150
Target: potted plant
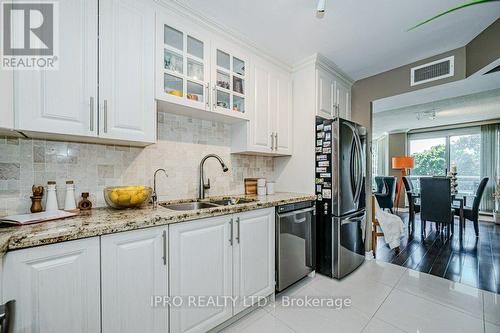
496, 197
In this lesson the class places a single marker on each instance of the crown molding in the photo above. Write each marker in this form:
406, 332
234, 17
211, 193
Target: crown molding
180, 8
325, 63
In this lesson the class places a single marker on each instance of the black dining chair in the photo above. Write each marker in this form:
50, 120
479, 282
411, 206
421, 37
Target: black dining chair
414, 207
472, 213
435, 203
386, 191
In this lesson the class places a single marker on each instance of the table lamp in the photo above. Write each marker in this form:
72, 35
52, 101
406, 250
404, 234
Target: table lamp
403, 163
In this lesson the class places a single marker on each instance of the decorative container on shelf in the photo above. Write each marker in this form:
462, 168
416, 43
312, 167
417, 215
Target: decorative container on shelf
453, 182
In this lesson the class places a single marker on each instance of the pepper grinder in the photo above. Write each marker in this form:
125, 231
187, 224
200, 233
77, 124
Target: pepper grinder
36, 199
85, 203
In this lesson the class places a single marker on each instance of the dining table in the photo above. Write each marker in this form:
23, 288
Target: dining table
459, 197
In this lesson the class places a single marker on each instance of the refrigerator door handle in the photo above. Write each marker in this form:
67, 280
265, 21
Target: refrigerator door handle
359, 181
354, 184
359, 176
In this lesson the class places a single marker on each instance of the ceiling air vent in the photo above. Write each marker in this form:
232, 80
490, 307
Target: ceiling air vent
432, 71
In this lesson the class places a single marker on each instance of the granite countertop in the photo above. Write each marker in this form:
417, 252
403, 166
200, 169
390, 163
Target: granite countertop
101, 221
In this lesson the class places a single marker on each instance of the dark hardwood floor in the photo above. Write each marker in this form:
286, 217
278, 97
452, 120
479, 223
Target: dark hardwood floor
474, 261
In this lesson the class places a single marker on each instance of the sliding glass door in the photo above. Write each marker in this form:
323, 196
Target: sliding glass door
429, 155
436, 152
465, 151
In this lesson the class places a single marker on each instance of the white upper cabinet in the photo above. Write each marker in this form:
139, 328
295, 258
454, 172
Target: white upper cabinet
229, 81
126, 70
333, 95
113, 100
134, 269
325, 94
283, 114
195, 72
182, 64
343, 100
269, 130
63, 101
56, 287
7, 100
253, 256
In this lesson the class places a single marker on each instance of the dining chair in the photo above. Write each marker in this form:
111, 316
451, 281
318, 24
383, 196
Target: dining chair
435, 203
386, 191
414, 207
472, 213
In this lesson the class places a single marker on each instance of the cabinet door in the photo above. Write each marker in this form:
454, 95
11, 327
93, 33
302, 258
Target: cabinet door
63, 101
182, 67
200, 265
134, 269
283, 126
56, 287
343, 100
229, 81
253, 258
261, 126
126, 70
325, 94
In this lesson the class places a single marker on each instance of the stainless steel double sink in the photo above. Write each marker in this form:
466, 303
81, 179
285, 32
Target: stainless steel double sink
194, 205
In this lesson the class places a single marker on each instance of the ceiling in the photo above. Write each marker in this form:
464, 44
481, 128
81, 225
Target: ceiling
458, 110
362, 37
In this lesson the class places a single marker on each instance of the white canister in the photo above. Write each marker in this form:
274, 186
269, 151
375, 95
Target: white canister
270, 187
261, 190
51, 204
261, 182
69, 202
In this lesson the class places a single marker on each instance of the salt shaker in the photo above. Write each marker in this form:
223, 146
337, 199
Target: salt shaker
69, 202
51, 204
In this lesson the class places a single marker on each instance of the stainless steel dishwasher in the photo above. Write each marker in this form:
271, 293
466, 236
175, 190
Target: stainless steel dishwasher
295, 242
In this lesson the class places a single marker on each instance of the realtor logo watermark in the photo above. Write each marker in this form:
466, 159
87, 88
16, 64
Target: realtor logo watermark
30, 35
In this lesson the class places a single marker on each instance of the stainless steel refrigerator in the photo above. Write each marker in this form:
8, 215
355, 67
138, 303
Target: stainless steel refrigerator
340, 206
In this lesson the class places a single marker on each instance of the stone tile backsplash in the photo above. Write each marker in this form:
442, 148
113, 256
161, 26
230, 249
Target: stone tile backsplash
182, 143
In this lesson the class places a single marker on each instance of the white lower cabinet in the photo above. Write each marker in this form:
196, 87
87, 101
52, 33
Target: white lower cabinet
133, 270
56, 287
109, 283
229, 256
253, 257
200, 265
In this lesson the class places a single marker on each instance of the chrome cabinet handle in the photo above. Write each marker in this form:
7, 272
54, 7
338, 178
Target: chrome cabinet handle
214, 96
91, 114
164, 235
276, 141
105, 116
208, 95
231, 236
272, 141
238, 230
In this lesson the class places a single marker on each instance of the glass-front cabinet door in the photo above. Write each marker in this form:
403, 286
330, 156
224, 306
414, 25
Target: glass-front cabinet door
184, 74
229, 77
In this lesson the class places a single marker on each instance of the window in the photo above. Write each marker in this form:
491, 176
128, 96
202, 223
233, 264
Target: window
436, 152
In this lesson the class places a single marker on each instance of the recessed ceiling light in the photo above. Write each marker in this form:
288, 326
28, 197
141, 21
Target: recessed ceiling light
320, 10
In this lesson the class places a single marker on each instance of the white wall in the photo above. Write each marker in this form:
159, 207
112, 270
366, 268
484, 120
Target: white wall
296, 173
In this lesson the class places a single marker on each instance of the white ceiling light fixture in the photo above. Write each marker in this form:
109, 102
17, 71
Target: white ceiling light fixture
320, 10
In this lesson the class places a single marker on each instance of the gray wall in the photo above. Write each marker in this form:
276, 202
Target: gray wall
395, 82
484, 49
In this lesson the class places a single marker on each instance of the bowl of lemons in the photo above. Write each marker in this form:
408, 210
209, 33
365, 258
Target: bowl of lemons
121, 197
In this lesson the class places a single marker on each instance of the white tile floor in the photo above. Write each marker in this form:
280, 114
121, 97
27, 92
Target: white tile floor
385, 298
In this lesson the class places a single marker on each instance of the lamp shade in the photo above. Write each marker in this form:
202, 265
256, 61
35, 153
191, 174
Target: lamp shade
402, 162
